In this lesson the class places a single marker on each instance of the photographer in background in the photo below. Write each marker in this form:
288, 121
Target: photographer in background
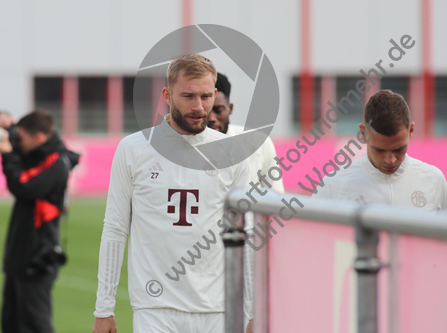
36, 165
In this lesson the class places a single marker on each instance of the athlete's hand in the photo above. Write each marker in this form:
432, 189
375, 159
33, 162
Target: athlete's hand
5, 145
104, 325
249, 327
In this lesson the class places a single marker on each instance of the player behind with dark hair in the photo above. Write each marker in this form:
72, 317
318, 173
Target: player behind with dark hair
219, 119
223, 85
262, 159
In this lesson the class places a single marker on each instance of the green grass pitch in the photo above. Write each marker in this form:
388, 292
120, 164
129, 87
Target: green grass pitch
74, 294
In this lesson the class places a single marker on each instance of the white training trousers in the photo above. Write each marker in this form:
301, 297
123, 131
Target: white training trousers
174, 321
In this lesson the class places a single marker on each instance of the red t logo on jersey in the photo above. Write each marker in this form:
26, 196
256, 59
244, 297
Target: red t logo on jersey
183, 195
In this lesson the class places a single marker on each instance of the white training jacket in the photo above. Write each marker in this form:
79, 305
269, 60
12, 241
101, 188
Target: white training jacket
144, 202
414, 184
261, 159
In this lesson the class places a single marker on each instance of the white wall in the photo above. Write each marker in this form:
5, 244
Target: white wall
113, 36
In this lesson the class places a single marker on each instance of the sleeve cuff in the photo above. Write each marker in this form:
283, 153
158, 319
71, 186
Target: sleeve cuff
103, 315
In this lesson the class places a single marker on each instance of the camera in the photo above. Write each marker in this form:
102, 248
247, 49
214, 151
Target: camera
49, 258
14, 137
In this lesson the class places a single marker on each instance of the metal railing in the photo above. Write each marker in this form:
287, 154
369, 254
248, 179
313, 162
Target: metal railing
367, 220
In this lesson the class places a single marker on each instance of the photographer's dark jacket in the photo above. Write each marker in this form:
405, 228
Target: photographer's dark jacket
38, 181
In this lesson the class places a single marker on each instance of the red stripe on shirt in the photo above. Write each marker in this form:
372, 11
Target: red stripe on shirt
27, 175
44, 212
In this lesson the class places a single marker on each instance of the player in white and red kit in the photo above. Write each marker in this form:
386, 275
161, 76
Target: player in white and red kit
165, 210
386, 174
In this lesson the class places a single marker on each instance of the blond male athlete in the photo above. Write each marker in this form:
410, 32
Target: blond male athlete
164, 215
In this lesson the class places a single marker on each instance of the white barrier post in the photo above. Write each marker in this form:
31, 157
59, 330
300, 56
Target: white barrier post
234, 240
367, 266
260, 284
